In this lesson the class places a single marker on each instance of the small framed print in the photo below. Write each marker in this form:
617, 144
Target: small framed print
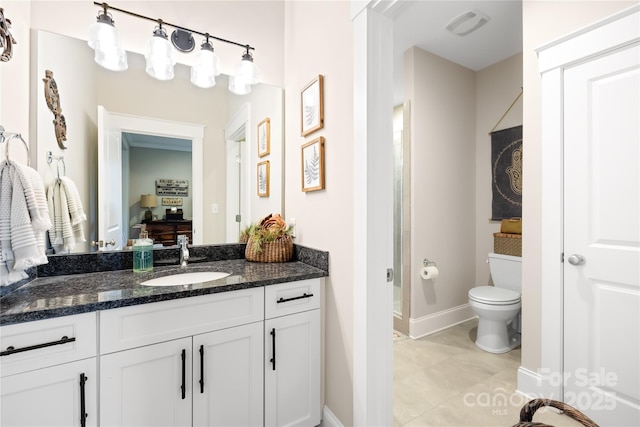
312, 157
312, 106
263, 178
264, 137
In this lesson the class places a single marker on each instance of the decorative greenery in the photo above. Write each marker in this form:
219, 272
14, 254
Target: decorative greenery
270, 229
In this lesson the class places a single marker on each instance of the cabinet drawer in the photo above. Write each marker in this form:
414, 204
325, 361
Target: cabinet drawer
294, 297
129, 327
42, 343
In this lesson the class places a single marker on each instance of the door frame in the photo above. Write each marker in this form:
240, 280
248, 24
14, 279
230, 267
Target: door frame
373, 204
237, 130
193, 132
611, 33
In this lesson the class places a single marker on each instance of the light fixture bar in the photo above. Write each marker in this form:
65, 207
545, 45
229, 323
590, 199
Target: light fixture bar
106, 6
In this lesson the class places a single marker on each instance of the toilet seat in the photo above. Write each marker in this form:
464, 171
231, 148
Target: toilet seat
492, 295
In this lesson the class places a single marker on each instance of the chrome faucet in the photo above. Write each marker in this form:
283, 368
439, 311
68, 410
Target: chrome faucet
184, 251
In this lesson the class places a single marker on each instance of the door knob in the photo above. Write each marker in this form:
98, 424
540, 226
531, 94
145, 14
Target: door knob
576, 259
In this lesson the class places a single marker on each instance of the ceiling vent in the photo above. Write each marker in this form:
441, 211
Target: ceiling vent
467, 22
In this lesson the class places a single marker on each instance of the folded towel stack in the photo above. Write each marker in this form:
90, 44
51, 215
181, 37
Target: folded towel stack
66, 215
24, 217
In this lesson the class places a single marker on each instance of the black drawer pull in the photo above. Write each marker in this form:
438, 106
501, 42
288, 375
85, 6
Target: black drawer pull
183, 387
305, 295
273, 348
202, 369
83, 411
12, 350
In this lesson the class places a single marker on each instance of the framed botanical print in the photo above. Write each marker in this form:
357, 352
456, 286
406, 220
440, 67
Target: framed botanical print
264, 137
263, 178
312, 157
312, 106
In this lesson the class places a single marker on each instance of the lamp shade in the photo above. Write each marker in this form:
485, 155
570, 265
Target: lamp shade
238, 87
148, 201
246, 70
159, 56
105, 40
205, 69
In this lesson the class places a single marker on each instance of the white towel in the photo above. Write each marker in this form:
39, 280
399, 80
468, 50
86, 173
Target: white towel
21, 245
74, 204
66, 215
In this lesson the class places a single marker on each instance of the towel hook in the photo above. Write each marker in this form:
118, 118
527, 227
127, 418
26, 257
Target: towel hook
51, 157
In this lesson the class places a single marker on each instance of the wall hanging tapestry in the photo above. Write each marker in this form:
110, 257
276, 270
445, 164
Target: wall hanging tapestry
506, 164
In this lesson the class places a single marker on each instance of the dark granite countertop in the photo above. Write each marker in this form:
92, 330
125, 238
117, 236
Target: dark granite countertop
61, 295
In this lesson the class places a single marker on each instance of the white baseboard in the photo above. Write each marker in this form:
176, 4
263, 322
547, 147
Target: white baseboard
328, 419
427, 325
533, 384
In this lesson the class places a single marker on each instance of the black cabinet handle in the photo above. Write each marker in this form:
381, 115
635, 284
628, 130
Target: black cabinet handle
12, 350
305, 295
273, 347
202, 369
184, 374
83, 413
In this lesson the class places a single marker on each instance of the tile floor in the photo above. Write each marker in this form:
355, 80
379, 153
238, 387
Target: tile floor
445, 380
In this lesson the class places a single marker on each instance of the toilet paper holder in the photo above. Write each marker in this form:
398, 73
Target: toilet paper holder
428, 263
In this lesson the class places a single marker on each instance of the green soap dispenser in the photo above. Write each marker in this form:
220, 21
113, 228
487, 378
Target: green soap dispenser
143, 253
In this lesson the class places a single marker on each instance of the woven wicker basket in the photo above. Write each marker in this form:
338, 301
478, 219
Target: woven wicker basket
530, 408
507, 244
279, 251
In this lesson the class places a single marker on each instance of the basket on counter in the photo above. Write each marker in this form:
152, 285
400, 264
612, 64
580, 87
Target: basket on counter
507, 244
280, 250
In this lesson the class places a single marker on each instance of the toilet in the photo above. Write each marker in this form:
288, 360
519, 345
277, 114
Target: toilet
498, 306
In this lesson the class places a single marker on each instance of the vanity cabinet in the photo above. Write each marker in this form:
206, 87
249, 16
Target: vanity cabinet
292, 354
184, 362
49, 374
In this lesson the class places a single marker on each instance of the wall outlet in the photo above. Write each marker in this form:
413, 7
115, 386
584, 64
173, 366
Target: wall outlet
214, 208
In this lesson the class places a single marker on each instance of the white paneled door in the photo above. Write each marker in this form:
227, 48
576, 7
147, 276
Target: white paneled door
602, 236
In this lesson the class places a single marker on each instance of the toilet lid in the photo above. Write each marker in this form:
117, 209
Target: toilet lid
493, 295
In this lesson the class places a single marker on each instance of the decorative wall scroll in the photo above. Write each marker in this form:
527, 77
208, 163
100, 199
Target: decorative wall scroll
6, 39
52, 97
172, 201
263, 178
172, 187
506, 162
313, 165
264, 137
312, 106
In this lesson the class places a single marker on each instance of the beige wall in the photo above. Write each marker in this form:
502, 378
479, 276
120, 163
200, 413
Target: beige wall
543, 22
318, 40
443, 107
497, 86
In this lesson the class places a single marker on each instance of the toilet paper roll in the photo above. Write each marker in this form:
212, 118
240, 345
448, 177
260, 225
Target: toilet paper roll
430, 272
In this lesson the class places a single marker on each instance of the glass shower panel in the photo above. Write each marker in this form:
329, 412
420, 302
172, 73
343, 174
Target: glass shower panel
397, 223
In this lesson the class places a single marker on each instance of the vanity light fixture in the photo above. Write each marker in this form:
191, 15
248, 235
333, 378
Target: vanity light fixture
205, 70
105, 40
159, 55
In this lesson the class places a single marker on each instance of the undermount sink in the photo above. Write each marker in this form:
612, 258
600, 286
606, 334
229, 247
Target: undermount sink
185, 278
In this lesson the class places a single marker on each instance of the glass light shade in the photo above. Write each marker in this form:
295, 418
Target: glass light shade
238, 86
205, 69
246, 70
105, 40
159, 56
111, 57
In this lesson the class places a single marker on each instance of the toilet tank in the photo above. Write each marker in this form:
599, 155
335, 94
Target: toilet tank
506, 271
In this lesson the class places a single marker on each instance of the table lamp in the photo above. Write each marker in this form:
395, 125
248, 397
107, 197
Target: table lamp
148, 201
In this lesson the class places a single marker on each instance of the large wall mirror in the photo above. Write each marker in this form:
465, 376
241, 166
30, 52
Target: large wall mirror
139, 130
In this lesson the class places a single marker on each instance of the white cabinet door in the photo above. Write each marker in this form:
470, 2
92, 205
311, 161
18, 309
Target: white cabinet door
51, 396
147, 386
292, 370
228, 377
